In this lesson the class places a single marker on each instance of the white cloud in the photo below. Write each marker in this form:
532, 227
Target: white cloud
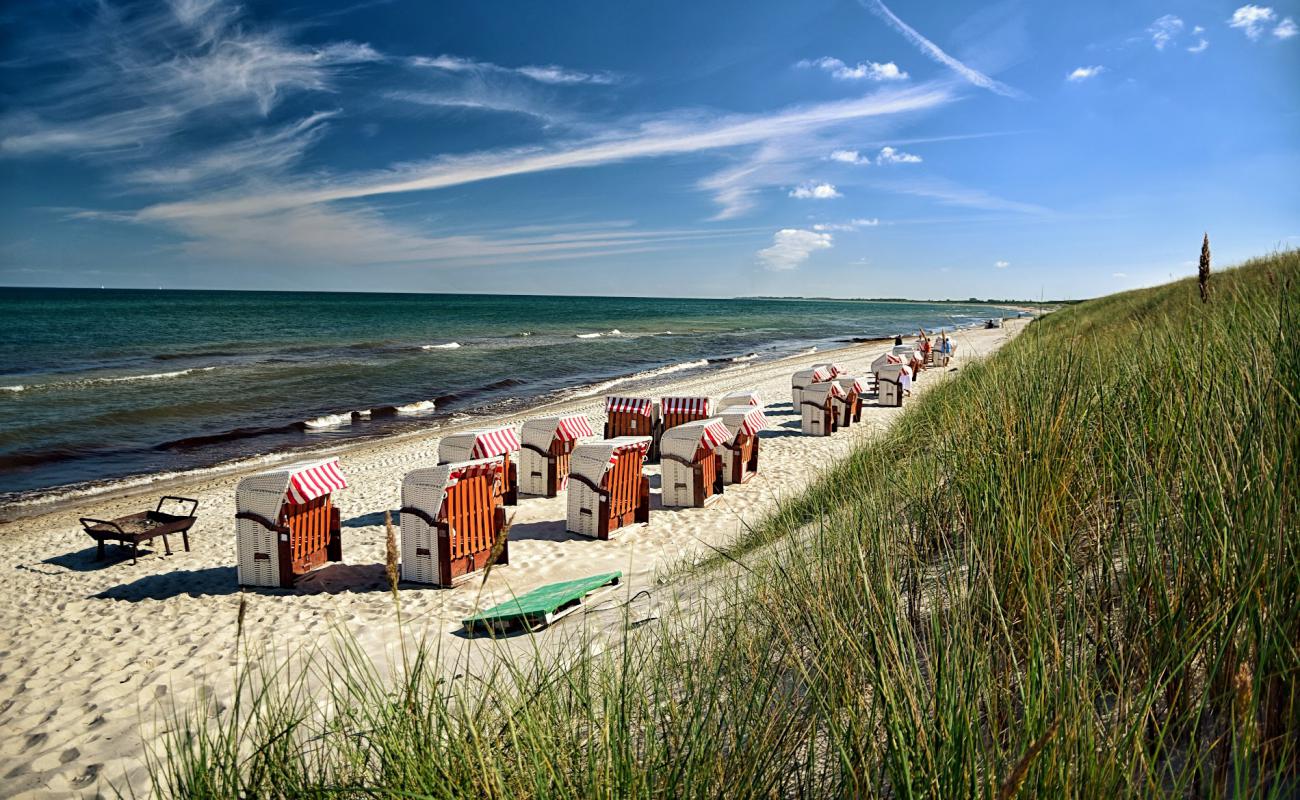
549, 73
851, 225
1165, 30
1252, 20
1084, 73
791, 247
889, 155
952, 194
849, 157
1001, 264
815, 191
134, 82
653, 139
1286, 29
862, 71
1119, 274
933, 51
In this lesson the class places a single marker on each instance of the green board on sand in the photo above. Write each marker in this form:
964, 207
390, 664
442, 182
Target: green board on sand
542, 606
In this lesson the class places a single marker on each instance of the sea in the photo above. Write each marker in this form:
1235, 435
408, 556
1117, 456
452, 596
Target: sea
97, 385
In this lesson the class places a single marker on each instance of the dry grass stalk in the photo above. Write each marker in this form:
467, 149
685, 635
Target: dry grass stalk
1203, 273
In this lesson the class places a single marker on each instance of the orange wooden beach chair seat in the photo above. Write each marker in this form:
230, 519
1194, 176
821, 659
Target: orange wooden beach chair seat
633, 416
608, 489
452, 519
286, 524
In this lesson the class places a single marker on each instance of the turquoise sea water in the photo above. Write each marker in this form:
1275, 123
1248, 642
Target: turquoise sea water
103, 384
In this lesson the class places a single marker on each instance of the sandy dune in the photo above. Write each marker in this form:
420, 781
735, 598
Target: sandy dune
93, 653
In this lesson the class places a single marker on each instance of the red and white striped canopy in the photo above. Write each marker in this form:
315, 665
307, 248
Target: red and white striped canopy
714, 434
686, 405
626, 448
754, 422
837, 370
462, 471
635, 405
495, 442
893, 359
821, 375
573, 427
310, 481
740, 399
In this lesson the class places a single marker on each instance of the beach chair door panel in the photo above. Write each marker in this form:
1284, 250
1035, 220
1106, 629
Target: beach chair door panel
310, 533
623, 480
472, 529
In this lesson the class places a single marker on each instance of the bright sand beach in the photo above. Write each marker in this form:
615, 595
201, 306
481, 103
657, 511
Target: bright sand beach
96, 655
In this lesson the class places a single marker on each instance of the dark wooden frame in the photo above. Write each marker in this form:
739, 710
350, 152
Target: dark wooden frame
110, 530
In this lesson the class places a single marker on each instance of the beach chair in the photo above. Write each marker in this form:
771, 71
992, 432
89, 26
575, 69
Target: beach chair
849, 409
286, 524
692, 468
892, 380
546, 445
451, 519
804, 377
486, 443
817, 409
836, 369
740, 452
739, 399
679, 411
633, 416
607, 489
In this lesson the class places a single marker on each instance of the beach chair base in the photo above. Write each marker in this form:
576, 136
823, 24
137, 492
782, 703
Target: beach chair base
543, 606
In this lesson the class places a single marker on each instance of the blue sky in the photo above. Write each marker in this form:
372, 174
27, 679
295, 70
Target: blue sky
845, 148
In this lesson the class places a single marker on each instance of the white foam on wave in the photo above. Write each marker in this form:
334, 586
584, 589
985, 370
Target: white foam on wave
418, 407
653, 373
447, 346
362, 414
746, 357
329, 421
155, 376
590, 335
809, 351
16, 388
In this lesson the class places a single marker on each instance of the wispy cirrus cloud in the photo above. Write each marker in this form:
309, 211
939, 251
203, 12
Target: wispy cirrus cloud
862, 71
134, 79
847, 227
548, 73
1165, 30
793, 246
934, 52
949, 193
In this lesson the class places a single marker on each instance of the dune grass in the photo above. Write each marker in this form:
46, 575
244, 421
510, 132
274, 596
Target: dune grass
1072, 571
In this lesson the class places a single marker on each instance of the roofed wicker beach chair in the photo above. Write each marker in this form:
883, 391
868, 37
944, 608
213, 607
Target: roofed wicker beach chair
740, 452
739, 399
286, 524
452, 519
804, 377
817, 409
486, 443
692, 468
607, 489
893, 380
544, 452
633, 416
849, 409
836, 369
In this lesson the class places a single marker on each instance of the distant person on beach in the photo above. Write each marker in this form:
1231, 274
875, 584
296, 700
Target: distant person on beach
898, 339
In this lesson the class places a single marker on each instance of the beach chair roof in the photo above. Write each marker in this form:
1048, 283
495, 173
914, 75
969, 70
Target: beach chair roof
426, 488
542, 431
836, 369
818, 392
903, 349
743, 419
685, 440
749, 398
894, 370
686, 405
478, 443
635, 405
885, 359
817, 374
851, 384
592, 460
296, 483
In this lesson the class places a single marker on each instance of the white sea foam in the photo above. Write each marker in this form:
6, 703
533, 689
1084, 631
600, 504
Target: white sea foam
653, 373
362, 414
155, 376
447, 346
418, 407
329, 421
809, 351
16, 388
590, 335
746, 357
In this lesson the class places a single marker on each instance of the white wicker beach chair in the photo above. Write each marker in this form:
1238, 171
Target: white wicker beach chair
740, 452
451, 520
545, 447
692, 468
486, 443
607, 487
286, 524
804, 377
817, 409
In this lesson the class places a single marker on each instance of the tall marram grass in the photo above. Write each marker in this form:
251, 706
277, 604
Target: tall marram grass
1072, 571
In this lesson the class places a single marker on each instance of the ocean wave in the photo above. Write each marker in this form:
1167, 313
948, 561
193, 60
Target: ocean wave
588, 391
418, 407
746, 357
85, 382
614, 332
447, 346
329, 421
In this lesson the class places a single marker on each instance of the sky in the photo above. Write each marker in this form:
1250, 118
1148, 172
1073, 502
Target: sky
846, 148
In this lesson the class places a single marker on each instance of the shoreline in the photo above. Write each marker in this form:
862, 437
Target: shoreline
61, 498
